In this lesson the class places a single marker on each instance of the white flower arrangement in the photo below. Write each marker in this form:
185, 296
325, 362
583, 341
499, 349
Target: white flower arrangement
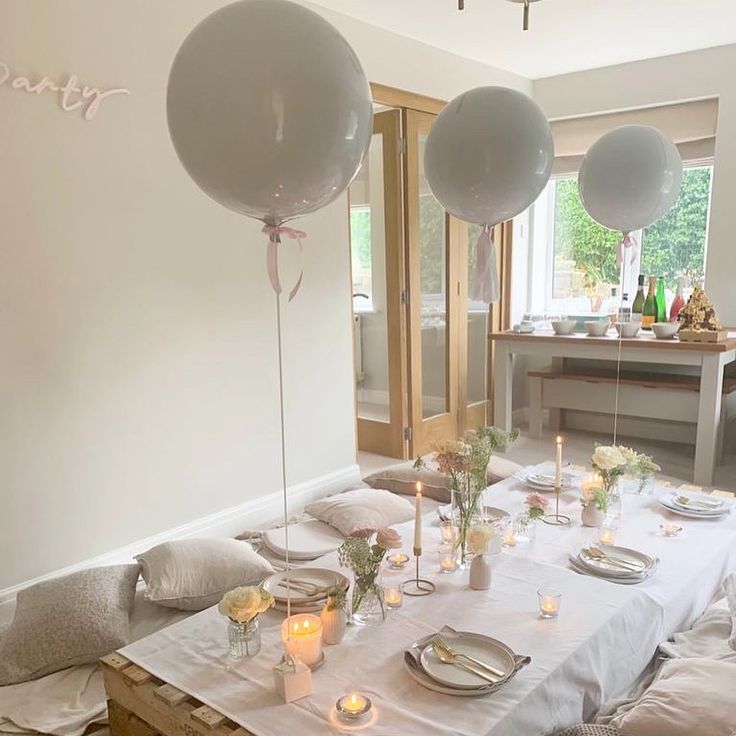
245, 603
479, 538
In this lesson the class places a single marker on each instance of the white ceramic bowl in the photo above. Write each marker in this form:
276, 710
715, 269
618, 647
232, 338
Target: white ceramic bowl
627, 329
665, 330
597, 328
563, 326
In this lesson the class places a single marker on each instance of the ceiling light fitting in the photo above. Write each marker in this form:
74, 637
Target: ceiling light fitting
525, 3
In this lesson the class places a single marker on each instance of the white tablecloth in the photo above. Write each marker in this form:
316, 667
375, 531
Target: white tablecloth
602, 640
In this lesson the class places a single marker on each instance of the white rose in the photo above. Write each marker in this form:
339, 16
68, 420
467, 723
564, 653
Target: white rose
607, 458
245, 603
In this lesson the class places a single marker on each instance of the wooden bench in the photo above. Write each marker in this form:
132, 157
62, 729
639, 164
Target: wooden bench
140, 704
662, 396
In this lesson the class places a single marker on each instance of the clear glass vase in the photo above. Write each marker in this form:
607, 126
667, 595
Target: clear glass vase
466, 514
368, 607
244, 640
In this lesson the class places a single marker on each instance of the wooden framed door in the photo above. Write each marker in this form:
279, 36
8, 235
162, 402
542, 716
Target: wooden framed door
377, 259
432, 239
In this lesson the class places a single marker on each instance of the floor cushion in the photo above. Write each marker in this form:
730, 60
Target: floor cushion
690, 696
67, 621
363, 508
193, 574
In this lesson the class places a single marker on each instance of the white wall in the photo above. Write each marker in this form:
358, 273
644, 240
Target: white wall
138, 366
688, 76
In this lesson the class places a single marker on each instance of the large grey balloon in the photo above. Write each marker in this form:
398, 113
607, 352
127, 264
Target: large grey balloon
489, 154
269, 109
630, 178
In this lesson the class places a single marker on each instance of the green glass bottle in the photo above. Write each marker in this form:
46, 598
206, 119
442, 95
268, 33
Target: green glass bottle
649, 313
637, 308
661, 301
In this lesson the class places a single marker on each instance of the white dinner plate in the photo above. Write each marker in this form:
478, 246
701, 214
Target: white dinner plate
321, 578
481, 647
544, 482
699, 504
578, 567
609, 569
670, 505
491, 512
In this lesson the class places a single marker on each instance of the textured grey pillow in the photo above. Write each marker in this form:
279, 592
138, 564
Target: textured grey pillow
193, 574
590, 729
67, 621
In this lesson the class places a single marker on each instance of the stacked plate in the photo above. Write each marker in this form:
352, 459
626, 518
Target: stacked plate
491, 513
307, 587
695, 506
543, 482
494, 659
617, 564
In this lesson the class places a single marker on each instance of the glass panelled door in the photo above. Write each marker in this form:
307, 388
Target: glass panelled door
432, 269
378, 271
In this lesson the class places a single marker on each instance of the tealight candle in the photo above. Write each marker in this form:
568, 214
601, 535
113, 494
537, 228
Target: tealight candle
670, 529
607, 534
394, 598
301, 635
397, 561
448, 558
353, 705
509, 539
549, 602
447, 530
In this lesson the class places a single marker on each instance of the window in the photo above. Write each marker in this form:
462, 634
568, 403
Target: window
360, 253
581, 272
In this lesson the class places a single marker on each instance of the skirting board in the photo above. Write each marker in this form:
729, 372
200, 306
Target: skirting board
229, 522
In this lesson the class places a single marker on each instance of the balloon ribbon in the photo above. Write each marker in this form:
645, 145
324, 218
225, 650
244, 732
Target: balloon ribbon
484, 286
274, 233
627, 241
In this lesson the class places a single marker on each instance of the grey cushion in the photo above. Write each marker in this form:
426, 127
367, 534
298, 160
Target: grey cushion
590, 729
402, 478
67, 621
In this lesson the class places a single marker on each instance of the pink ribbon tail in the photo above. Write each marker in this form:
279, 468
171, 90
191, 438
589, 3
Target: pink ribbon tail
627, 241
484, 285
274, 233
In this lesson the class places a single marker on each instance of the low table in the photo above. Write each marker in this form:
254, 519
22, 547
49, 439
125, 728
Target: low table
603, 639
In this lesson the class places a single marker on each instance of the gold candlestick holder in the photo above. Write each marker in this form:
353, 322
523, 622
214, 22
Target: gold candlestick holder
417, 586
557, 519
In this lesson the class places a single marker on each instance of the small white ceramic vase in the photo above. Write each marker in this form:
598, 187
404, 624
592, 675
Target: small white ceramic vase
480, 573
333, 625
592, 515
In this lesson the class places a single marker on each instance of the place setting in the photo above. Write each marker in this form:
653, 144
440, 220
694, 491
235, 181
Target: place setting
616, 564
462, 663
694, 505
306, 587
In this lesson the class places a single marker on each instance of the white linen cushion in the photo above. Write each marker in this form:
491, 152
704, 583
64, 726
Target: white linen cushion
690, 696
308, 540
193, 574
364, 508
72, 620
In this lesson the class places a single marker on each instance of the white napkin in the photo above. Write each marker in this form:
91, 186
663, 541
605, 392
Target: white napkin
730, 588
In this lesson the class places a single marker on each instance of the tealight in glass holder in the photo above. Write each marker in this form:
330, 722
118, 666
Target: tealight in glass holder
397, 561
549, 602
448, 532
447, 555
607, 531
393, 598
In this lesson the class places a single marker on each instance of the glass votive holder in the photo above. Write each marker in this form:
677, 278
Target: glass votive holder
607, 532
353, 706
393, 597
447, 558
670, 529
549, 602
397, 561
447, 532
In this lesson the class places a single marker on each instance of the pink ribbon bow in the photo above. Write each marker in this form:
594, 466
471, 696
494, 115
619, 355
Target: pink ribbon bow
484, 286
627, 241
274, 233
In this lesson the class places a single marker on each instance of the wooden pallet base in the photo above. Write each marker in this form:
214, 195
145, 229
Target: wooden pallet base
140, 704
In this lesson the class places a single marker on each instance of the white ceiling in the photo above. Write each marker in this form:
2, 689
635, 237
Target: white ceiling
564, 35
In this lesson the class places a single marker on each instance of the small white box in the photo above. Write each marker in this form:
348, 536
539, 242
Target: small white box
292, 679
